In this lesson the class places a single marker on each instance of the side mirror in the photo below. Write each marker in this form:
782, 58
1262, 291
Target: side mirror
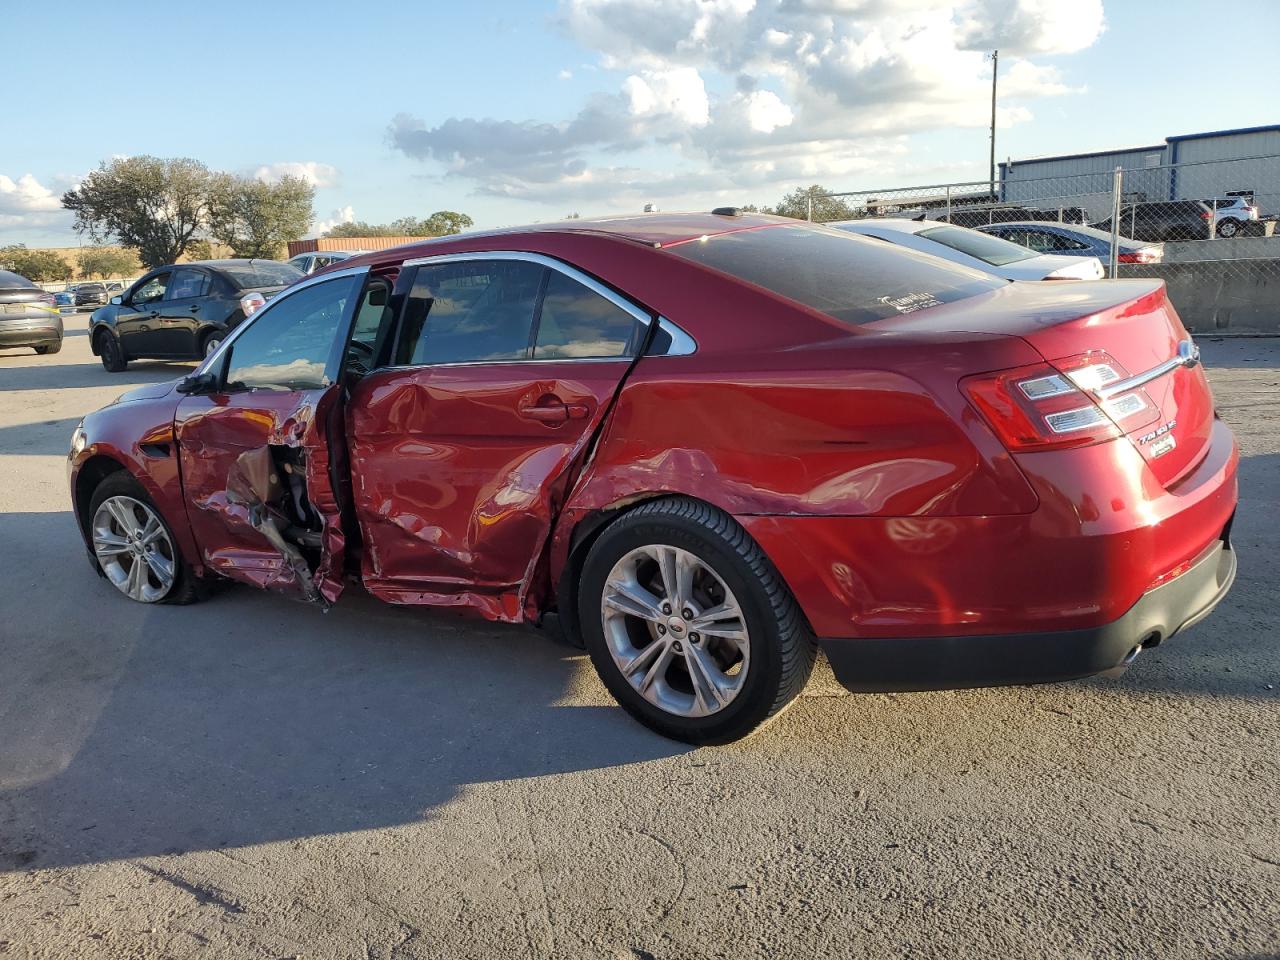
199, 383
116, 301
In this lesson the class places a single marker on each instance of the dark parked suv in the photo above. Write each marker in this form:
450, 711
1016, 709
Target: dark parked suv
1164, 220
183, 311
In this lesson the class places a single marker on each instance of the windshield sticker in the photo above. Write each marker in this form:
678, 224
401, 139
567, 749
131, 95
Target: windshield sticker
910, 302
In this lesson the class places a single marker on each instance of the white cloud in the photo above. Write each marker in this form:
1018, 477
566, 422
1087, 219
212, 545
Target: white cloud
736, 93
26, 195
316, 174
564, 75
345, 214
678, 93
29, 207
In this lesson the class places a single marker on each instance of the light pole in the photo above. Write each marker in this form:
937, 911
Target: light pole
995, 65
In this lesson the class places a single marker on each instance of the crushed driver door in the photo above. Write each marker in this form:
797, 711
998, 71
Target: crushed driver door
254, 443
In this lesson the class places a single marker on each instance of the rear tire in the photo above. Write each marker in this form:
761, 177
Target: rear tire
731, 651
112, 353
1228, 229
109, 540
209, 343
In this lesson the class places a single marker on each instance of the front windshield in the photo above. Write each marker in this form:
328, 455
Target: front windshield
985, 247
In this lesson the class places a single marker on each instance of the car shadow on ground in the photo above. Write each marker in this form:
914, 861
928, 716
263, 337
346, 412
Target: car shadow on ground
136, 730
48, 374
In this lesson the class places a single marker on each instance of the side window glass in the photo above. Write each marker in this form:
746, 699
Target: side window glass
470, 311
288, 345
577, 322
186, 284
372, 312
152, 290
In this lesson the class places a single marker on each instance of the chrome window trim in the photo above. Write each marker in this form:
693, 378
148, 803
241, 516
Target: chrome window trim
1188, 356
307, 281
679, 337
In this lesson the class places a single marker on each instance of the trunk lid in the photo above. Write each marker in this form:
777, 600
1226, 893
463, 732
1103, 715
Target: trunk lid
1130, 322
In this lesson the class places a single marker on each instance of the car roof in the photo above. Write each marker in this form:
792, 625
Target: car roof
895, 224
649, 229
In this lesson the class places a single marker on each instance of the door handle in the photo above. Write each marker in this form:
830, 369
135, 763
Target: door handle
195, 307
552, 410
153, 314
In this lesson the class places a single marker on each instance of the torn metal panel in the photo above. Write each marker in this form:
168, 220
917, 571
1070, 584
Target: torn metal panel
261, 503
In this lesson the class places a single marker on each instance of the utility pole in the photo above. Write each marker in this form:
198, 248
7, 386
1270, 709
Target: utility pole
995, 64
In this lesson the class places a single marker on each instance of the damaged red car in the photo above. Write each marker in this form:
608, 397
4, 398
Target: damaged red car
711, 443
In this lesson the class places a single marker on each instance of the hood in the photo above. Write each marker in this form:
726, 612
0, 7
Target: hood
149, 391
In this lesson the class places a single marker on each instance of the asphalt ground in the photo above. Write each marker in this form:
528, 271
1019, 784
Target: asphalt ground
251, 777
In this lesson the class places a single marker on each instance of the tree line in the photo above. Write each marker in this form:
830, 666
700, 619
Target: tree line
162, 209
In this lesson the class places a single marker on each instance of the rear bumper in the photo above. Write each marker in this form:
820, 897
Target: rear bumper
942, 663
30, 332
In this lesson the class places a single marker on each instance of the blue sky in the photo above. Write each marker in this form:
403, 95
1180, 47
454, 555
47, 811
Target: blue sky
521, 111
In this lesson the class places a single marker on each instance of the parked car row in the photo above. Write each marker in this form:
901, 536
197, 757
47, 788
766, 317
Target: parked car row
710, 443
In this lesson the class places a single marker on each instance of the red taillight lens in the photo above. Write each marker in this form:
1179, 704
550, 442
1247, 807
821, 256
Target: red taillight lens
1207, 215
250, 303
48, 300
1050, 407
1145, 255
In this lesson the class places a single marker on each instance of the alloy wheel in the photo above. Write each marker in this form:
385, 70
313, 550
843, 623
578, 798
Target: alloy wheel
675, 630
134, 550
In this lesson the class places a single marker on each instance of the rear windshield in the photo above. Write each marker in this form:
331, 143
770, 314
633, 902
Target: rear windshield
985, 247
267, 273
8, 279
853, 279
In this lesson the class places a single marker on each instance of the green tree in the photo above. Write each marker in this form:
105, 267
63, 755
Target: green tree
201, 250
825, 208
152, 205
99, 263
257, 219
442, 223
38, 265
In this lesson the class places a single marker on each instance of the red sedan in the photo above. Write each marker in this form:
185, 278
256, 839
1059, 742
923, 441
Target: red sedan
711, 443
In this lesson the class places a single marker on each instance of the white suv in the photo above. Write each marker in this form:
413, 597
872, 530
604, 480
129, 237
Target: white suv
1229, 212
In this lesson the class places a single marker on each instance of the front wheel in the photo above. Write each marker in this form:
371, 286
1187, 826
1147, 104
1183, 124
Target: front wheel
689, 625
135, 549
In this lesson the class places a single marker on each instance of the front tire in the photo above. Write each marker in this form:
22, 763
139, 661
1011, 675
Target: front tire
689, 625
134, 546
112, 353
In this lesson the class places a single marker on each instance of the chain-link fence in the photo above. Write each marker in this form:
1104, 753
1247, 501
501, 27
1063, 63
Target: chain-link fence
1208, 229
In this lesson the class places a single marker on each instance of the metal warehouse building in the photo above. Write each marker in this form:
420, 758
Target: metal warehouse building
1195, 166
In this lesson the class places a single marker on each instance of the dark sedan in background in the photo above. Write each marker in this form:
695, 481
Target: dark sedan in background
28, 315
91, 294
183, 311
1074, 240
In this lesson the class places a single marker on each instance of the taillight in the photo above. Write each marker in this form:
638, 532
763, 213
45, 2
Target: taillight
1049, 407
48, 300
252, 302
1144, 255
1207, 215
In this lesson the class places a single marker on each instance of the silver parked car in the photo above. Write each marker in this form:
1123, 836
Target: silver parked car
977, 250
315, 260
28, 316
1074, 240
